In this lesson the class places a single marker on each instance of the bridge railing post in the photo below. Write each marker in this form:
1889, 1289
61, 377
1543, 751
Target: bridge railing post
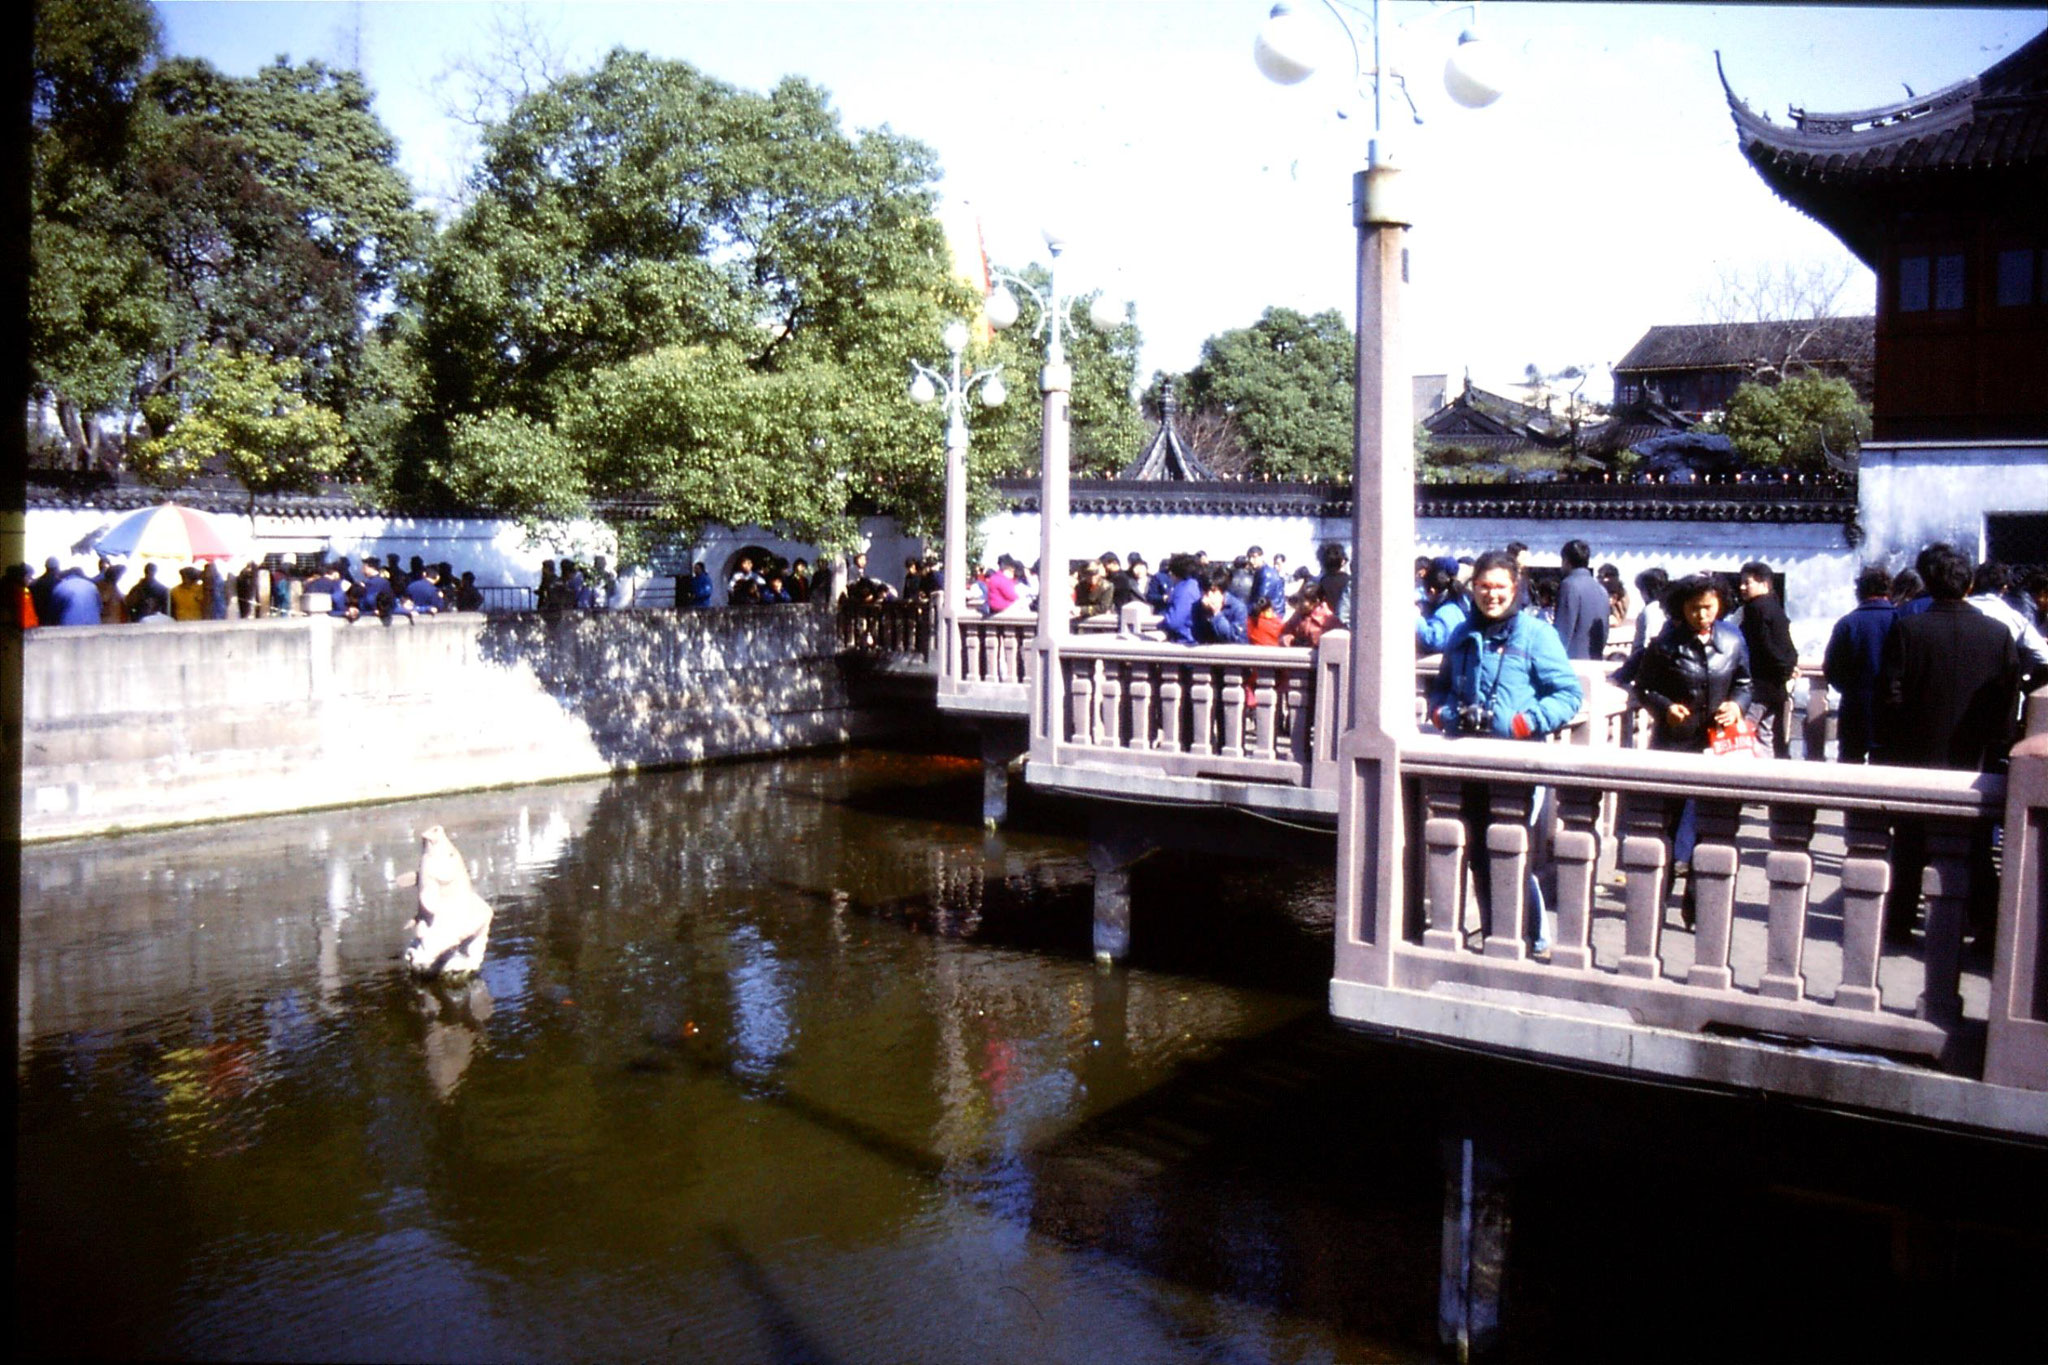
2016, 1034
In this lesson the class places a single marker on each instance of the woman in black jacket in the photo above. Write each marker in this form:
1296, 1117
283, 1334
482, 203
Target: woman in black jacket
1693, 676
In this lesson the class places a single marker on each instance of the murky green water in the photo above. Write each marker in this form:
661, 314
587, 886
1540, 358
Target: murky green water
788, 1062
767, 1062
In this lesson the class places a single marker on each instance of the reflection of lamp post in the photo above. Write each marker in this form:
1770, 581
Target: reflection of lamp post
929, 384
1383, 487
1056, 382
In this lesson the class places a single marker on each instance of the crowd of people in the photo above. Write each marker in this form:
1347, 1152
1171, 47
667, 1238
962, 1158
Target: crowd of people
1250, 600
85, 592
1932, 666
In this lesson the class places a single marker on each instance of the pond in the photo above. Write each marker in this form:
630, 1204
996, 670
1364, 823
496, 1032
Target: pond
788, 1061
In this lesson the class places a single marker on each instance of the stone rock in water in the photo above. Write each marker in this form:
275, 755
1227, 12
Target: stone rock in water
452, 927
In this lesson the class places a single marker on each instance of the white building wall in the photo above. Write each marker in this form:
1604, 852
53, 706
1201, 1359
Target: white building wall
1916, 492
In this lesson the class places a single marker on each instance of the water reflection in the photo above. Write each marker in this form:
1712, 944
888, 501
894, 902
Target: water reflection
769, 1062
455, 1016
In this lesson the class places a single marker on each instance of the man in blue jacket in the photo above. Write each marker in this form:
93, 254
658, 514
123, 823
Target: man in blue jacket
1219, 617
1582, 604
1266, 581
1504, 675
1855, 651
74, 600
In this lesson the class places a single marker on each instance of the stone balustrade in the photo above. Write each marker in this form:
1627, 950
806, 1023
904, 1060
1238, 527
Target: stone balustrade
1786, 979
1235, 712
985, 663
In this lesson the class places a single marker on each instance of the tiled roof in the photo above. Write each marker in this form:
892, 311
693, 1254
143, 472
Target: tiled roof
1167, 457
124, 493
1994, 123
1776, 501
1741, 345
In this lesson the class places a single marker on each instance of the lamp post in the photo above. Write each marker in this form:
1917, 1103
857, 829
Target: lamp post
927, 385
1056, 383
1369, 880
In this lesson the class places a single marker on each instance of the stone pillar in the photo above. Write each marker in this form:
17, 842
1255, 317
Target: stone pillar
1369, 823
1001, 746
1113, 850
953, 561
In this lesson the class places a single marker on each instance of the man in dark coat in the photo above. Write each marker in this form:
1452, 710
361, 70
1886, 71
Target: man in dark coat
1947, 693
1773, 658
1855, 652
1581, 604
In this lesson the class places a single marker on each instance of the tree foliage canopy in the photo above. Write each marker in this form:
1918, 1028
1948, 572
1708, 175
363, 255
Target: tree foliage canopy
1795, 425
177, 210
708, 293
1286, 386
246, 417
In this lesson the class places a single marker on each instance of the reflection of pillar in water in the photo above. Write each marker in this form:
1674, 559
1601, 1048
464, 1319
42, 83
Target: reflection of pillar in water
327, 935
1475, 1244
963, 1113
341, 886
1109, 1043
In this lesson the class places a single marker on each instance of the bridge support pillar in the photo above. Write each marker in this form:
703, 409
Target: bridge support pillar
1001, 746
1475, 1247
1113, 850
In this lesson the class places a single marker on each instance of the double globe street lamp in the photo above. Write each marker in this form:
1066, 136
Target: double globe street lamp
1370, 834
1056, 383
926, 386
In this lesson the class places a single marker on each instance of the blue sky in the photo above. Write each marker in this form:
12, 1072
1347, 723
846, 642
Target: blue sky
1603, 194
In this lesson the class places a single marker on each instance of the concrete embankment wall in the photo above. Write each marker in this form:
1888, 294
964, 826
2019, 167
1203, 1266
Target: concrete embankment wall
127, 727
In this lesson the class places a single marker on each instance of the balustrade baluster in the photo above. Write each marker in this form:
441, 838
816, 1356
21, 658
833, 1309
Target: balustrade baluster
1443, 836
1143, 675
1265, 718
1947, 888
1644, 856
1232, 708
1172, 688
1866, 880
1507, 841
1576, 849
1715, 863
1109, 715
1790, 870
1202, 721
1007, 670
1298, 712
1081, 689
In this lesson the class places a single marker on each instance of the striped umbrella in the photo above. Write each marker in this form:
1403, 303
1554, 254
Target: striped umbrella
167, 531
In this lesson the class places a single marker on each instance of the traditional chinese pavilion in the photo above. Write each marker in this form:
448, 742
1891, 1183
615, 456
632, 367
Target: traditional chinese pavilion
1945, 197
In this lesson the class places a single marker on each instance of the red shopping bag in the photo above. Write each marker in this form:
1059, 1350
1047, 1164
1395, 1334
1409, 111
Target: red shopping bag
1734, 741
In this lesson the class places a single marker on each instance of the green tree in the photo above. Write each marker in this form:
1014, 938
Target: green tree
245, 418
1796, 424
276, 208
1286, 383
95, 295
708, 293
177, 210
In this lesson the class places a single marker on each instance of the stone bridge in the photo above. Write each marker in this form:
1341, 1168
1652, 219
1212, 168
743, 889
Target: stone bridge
1784, 982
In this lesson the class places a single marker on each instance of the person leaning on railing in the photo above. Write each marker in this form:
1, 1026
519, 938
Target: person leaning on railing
1693, 676
1504, 675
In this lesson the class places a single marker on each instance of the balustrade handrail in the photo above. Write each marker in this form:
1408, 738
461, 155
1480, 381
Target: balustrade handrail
1128, 647
1934, 792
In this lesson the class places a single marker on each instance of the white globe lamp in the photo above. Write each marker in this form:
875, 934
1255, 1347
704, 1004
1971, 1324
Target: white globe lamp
1285, 48
1476, 73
